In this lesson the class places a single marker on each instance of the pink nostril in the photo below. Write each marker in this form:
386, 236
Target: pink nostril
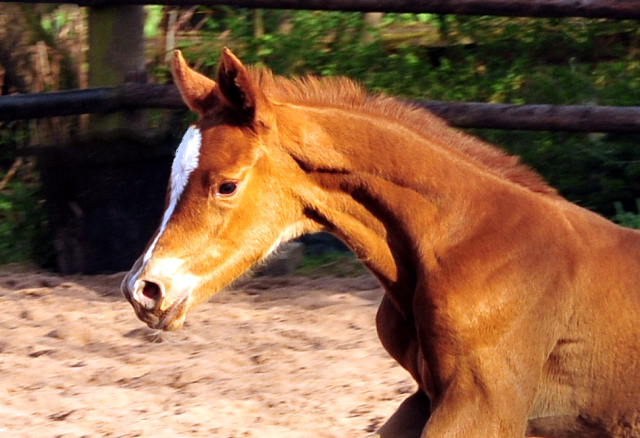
151, 291
148, 294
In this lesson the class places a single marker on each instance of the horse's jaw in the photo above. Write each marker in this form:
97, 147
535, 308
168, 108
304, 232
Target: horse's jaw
163, 290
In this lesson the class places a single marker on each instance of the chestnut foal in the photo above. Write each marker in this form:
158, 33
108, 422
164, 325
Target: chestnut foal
516, 312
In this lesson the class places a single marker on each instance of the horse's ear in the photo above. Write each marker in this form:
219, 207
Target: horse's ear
236, 87
197, 91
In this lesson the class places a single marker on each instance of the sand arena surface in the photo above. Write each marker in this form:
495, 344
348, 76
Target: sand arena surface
279, 357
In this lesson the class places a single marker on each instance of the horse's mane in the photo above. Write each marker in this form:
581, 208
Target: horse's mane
342, 92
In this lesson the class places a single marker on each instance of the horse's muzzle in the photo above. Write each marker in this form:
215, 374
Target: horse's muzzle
148, 297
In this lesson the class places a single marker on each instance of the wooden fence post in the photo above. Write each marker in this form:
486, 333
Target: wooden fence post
116, 48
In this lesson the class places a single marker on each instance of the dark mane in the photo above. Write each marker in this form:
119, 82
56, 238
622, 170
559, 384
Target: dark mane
344, 93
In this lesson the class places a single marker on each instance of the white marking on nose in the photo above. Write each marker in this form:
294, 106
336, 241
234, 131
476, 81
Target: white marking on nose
184, 163
169, 274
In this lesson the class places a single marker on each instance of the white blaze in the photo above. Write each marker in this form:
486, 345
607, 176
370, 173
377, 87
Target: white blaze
184, 163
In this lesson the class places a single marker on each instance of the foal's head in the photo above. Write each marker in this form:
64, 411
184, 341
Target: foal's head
225, 207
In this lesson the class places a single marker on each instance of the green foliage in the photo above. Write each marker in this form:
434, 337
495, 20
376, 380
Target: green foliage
627, 218
152, 21
293, 43
335, 264
491, 59
24, 231
488, 59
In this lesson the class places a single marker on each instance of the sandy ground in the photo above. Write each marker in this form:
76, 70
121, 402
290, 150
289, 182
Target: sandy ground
275, 357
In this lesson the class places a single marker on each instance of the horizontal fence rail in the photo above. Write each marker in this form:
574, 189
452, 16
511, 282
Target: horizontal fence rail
618, 9
570, 118
133, 96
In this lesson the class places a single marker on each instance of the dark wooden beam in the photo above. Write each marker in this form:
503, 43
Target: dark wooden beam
103, 100
619, 9
576, 118
573, 118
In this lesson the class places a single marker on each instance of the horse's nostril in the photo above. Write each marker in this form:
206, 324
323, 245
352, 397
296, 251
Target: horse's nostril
151, 291
147, 295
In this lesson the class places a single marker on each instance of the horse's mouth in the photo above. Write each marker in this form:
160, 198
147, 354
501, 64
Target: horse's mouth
170, 320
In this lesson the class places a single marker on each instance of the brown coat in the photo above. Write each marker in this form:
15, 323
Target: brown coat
515, 311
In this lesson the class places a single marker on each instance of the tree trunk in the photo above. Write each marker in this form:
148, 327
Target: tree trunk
116, 51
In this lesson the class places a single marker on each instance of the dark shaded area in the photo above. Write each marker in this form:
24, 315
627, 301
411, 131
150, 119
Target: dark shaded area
625, 9
105, 199
321, 244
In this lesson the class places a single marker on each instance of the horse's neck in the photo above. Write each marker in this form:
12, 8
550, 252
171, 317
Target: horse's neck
395, 198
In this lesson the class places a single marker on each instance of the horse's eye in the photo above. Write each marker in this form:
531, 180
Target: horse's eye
227, 188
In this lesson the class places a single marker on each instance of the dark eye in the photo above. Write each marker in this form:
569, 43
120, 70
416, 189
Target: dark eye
227, 188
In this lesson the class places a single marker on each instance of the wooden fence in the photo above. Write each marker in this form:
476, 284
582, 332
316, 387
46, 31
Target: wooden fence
104, 200
575, 118
460, 114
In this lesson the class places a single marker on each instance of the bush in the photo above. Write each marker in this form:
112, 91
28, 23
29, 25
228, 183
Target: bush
24, 230
627, 218
489, 59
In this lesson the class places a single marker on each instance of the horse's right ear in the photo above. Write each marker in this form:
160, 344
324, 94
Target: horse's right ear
197, 91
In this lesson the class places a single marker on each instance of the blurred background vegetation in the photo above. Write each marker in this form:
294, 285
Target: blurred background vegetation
418, 56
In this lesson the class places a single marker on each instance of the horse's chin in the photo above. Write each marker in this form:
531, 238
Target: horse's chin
171, 319
170, 325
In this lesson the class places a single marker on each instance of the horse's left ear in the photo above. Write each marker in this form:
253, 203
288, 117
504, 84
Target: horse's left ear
237, 88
